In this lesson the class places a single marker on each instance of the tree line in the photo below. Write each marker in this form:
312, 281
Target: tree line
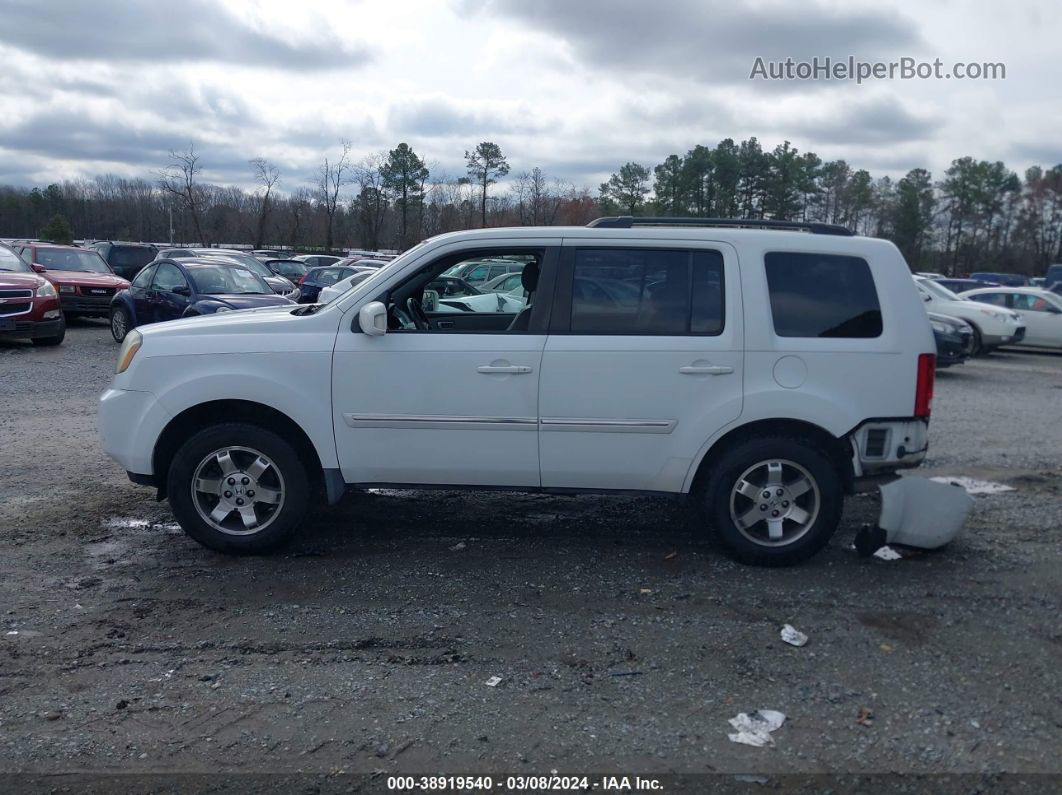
978, 216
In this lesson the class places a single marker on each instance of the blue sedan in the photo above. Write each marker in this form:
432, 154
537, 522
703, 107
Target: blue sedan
317, 279
168, 289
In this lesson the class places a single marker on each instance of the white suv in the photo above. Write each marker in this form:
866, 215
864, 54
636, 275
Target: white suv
762, 367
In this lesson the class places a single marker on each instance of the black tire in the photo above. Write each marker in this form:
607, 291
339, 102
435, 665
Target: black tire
123, 325
978, 347
57, 339
290, 473
798, 457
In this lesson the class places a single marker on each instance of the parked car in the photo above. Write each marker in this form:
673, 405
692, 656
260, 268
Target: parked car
318, 278
126, 259
480, 271
992, 327
265, 254
84, 281
29, 304
504, 283
279, 284
1040, 311
317, 260
1053, 278
767, 373
177, 288
954, 338
290, 269
959, 285
1006, 279
334, 291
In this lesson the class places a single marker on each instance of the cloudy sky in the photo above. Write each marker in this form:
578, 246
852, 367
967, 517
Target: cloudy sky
576, 87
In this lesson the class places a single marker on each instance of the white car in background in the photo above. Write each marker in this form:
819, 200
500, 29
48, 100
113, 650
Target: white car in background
333, 291
1040, 311
992, 326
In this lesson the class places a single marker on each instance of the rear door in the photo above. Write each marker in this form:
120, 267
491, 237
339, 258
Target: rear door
643, 363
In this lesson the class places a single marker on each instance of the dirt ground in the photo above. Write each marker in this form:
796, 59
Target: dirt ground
624, 641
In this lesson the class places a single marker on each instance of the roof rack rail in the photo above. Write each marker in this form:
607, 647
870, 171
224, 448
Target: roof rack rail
629, 221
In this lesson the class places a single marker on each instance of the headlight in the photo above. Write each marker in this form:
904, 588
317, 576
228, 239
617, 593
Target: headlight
993, 314
46, 290
939, 328
221, 309
130, 345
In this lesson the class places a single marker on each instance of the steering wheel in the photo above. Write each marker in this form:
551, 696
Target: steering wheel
416, 312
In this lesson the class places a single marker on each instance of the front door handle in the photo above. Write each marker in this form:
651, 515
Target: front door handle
709, 369
508, 368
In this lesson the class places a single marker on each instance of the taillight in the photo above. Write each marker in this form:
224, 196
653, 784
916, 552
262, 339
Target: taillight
301, 280
927, 370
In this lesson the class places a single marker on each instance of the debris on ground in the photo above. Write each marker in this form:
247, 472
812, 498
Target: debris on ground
458, 546
645, 590
754, 728
888, 553
869, 539
793, 636
865, 716
974, 486
670, 555
922, 513
494, 681
625, 673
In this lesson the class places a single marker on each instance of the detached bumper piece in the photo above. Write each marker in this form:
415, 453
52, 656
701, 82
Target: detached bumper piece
921, 513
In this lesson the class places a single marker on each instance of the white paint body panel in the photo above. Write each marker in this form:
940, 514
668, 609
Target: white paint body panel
353, 393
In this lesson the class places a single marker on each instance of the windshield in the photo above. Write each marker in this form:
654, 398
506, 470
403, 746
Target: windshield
249, 262
288, 267
12, 263
69, 259
225, 280
940, 291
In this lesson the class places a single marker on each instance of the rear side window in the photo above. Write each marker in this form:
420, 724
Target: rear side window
647, 291
130, 256
822, 295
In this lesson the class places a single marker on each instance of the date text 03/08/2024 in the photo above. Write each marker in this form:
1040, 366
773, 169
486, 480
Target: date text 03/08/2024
524, 783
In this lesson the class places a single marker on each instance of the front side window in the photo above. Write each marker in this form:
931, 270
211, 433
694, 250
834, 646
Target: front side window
168, 278
143, 279
822, 295
436, 299
647, 291
999, 299
1032, 303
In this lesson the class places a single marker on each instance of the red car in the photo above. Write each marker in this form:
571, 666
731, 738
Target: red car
29, 305
86, 283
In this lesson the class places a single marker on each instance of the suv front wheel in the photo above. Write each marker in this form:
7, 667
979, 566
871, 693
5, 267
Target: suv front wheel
773, 501
238, 488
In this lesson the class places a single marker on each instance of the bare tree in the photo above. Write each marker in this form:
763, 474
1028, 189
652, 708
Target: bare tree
267, 176
370, 205
179, 180
331, 177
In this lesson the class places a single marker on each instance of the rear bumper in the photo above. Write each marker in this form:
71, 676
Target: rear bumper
31, 329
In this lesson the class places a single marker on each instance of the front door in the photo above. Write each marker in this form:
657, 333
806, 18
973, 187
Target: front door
165, 303
444, 397
1042, 319
643, 363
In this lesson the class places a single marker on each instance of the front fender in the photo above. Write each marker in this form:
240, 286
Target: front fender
303, 394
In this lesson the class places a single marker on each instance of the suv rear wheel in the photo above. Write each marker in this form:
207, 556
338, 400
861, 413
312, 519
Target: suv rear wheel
773, 501
238, 488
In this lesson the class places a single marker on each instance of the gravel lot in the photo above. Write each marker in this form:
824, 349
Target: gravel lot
624, 641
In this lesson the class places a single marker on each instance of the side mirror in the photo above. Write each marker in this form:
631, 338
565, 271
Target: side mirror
183, 289
373, 319
38, 268
431, 301
927, 298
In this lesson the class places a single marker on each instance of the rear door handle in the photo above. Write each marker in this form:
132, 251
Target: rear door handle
508, 368
711, 369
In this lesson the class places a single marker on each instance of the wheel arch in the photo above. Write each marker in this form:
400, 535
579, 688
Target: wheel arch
838, 449
213, 412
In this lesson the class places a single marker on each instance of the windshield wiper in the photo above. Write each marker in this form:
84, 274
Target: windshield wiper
306, 309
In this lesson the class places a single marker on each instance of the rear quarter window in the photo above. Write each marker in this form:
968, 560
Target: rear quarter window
822, 295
